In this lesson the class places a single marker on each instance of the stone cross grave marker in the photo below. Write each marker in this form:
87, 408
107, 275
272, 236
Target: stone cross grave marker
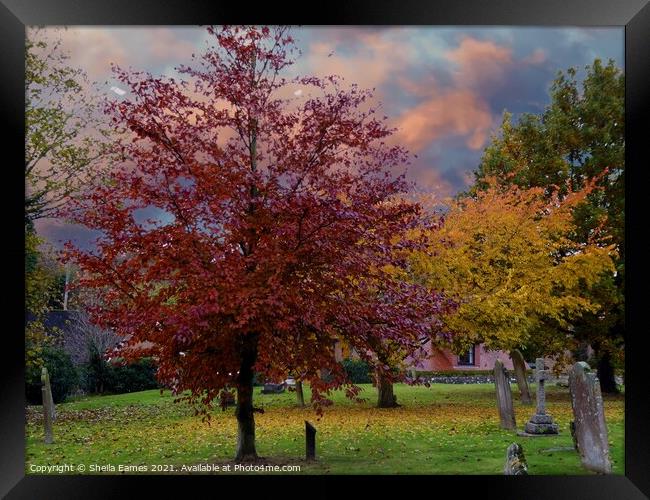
589, 419
48, 405
504, 396
541, 423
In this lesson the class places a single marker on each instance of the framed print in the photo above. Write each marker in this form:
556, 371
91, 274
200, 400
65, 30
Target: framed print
379, 245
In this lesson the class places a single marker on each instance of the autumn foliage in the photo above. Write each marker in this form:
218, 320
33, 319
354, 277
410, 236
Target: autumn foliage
508, 257
274, 219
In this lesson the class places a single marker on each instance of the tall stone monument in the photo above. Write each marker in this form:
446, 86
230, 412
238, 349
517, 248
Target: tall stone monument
589, 425
541, 423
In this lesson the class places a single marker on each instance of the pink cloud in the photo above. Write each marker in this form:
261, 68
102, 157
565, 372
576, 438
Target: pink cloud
480, 62
93, 49
164, 45
445, 113
378, 58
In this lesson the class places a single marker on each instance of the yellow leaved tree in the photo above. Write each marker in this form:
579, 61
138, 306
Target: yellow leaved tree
507, 257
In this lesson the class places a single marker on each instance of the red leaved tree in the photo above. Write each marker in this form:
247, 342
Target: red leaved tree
277, 221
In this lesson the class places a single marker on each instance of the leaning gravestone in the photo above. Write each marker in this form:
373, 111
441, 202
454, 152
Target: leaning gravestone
504, 396
515, 461
48, 405
540, 423
589, 419
520, 374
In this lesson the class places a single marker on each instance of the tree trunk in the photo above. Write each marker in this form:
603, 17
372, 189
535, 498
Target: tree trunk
299, 394
244, 411
386, 398
606, 375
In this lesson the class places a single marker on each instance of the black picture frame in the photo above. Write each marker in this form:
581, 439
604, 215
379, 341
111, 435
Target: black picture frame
634, 15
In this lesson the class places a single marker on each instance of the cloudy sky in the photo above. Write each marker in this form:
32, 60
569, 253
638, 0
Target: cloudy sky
443, 88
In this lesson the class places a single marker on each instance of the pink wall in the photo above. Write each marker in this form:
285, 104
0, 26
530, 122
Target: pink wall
444, 359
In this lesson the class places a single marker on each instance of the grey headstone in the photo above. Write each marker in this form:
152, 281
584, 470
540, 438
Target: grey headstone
520, 374
515, 461
504, 396
589, 419
48, 405
541, 423
273, 388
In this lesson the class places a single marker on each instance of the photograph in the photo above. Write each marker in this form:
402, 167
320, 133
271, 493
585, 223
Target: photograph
324, 250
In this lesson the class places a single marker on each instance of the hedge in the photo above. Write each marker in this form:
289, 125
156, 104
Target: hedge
64, 377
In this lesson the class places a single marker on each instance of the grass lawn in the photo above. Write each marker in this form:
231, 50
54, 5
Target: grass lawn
444, 429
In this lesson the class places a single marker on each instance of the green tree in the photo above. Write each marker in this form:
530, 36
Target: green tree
65, 138
579, 137
39, 286
64, 132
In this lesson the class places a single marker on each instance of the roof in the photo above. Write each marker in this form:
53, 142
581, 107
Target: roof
52, 320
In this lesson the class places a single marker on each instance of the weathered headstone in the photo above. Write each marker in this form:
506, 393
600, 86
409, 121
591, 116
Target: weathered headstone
310, 437
541, 423
589, 419
504, 396
300, 395
520, 374
227, 399
273, 388
515, 461
48, 405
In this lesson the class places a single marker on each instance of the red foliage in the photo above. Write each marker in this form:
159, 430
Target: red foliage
276, 221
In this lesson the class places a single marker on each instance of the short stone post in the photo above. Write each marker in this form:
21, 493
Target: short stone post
504, 396
540, 423
48, 405
589, 419
515, 461
310, 437
520, 374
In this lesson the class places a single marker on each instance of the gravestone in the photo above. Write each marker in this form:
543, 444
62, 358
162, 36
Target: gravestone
48, 405
540, 424
515, 461
520, 374
227, 400
273, 388
504, 396
589, 419
310, 439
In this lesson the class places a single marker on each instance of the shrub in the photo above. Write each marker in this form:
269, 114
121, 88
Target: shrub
138, 376
95, 372
357, 370
64, 377
102, 377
